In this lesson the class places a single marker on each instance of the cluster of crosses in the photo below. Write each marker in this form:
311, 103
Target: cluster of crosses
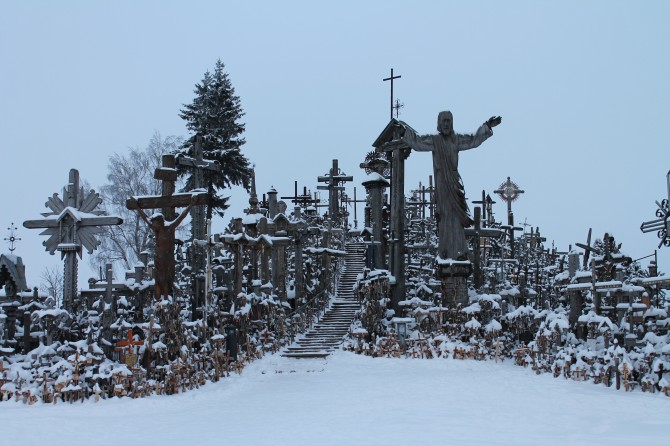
182, 319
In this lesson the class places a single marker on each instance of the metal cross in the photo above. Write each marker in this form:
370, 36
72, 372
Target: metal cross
12, 239
662, 223
391, 79
398, 105
509, 191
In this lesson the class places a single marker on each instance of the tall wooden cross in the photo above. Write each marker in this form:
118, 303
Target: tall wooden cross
392, 78
168, 201
72, 224
198, 218
509, 192
391, 143
334, 180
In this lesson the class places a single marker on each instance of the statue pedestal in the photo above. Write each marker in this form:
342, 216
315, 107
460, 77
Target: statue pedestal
453, 274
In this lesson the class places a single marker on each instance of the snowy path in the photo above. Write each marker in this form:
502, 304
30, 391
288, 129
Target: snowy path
353, 400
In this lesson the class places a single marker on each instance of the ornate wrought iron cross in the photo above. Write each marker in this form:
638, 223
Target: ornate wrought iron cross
12, 239
509, 191
662, 224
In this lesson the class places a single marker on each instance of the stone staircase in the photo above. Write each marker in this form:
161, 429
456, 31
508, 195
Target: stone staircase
322, 339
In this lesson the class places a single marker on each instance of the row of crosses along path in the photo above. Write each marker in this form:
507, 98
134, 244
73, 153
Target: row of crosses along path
164, 223
72, 224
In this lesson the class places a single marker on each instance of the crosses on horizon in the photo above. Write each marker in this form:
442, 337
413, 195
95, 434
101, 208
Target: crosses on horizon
392, 78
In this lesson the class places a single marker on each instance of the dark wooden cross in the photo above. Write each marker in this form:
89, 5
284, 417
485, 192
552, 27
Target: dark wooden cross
392, 78
164, 230
334, 180
587, 249
509, 192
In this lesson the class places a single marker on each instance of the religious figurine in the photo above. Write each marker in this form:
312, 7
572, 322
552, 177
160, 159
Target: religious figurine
164, 264
453, 215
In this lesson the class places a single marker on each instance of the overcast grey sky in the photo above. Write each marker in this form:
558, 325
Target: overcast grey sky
582, 88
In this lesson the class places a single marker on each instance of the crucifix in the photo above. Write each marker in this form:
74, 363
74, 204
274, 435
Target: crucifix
391, 79
165, 224
72, 224
334, 180
662, 224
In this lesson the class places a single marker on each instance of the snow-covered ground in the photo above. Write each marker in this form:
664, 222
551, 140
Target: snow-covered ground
354, 400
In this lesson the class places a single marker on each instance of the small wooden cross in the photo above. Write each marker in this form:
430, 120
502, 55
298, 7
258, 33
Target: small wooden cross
126, 347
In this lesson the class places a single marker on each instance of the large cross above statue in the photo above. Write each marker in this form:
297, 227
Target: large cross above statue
165, 224
392, 78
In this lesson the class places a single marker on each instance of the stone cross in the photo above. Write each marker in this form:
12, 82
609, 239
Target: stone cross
165, 224
334, 180
509, 192
72, 224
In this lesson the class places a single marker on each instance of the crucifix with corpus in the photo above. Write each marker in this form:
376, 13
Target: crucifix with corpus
164, 224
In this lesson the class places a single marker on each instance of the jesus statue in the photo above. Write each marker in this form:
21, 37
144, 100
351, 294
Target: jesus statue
453, 215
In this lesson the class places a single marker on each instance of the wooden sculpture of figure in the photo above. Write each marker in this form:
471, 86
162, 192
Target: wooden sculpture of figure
453, 215
164, 264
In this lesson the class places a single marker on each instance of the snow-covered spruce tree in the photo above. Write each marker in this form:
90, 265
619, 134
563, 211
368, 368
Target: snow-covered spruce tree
214, 115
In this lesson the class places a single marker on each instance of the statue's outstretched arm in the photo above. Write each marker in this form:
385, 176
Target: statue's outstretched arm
484, 132
419, 143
